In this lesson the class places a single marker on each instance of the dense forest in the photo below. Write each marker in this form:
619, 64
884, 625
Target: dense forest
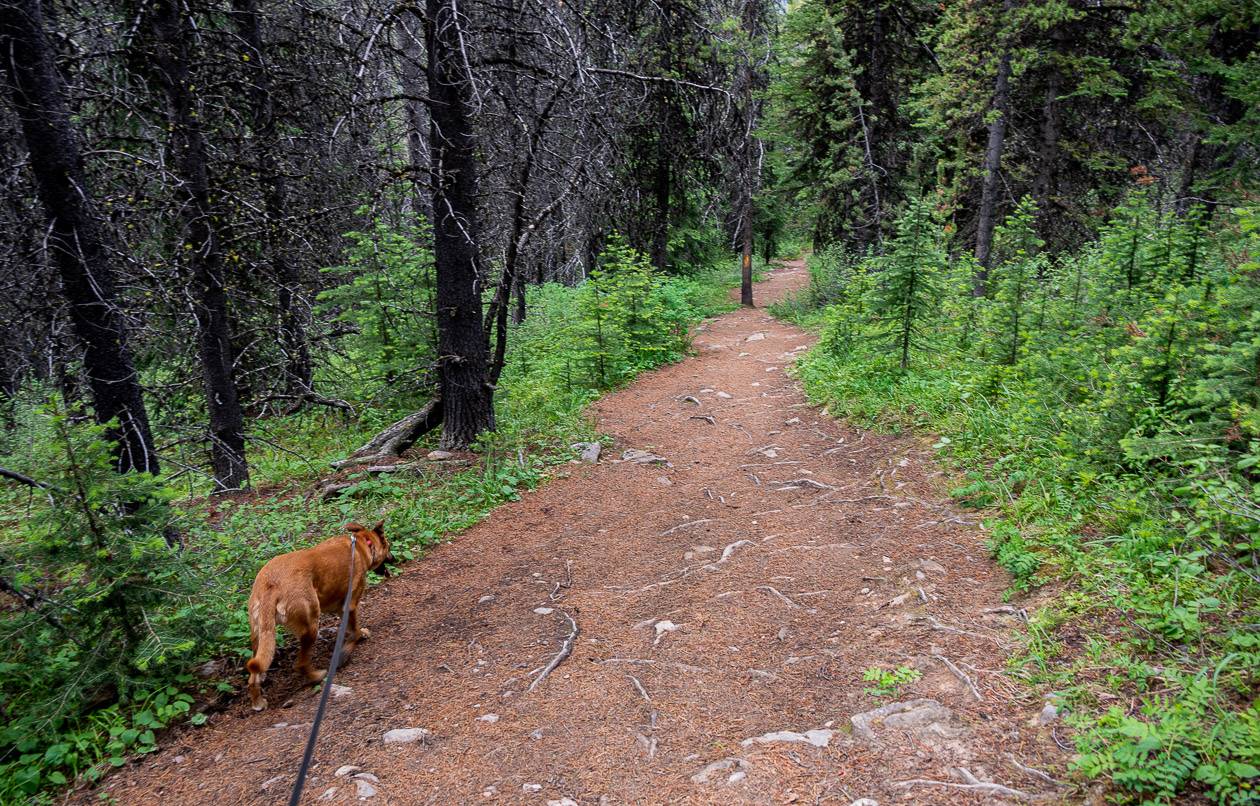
243, 242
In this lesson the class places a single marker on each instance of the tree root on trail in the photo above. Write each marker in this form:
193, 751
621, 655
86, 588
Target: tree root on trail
972, 784
775, 592
566, 649
961, 675
398, 437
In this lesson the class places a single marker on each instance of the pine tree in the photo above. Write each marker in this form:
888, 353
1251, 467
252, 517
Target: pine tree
907, 289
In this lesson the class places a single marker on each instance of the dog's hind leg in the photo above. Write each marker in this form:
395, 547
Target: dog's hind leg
262, 638
303, 621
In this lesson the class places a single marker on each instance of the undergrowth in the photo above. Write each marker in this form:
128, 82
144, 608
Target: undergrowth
107, 622
1102, 411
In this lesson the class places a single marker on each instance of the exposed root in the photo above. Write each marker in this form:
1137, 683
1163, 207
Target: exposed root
797, 483
706, 417
938, 626
775, 592
1032, 771
686, 525
972, 784
566, 649
961, 675
639, 687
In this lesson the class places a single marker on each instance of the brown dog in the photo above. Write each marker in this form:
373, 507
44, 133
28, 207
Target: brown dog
293, 588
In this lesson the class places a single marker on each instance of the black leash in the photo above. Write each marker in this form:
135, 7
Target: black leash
328, 680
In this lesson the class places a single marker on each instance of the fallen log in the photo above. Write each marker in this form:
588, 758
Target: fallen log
398, 437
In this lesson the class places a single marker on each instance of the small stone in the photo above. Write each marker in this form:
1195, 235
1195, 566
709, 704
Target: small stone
212, 668
664, 482
364, 789
721, 765
490, 718
439, 456
589, 450
886, 560
329, 793
663, 627
367, 776
756, 337
531, 787
487, 599
1047, 715
536, 734
544, 611
562, 802
793, 421
932, 566
725, 395
736, 777
928, 720
406, 735
178, 759
340, 691
490, 792
346, 769
865, 802
644, 458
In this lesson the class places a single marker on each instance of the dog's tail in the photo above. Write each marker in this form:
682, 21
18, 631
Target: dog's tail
262, 633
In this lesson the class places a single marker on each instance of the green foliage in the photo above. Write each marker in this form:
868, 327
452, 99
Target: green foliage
907, 285
384, 293
108, 607
1102, 408
889, 683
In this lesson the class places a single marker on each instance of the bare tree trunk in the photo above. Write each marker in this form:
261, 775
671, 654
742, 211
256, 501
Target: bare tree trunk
1048, 149
463, 355
173, 59
987, 220
745, 257
76, 240
298, 372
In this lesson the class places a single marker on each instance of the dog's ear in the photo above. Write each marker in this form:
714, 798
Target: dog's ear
379, 528
352, 526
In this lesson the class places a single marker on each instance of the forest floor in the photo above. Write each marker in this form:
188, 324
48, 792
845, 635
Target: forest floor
728, 597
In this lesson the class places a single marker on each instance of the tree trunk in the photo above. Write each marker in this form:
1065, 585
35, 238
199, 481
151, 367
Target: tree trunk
987, 221
463, 355
173, 59
661, 186
75, 239
1048, 149
745, 257
297, 370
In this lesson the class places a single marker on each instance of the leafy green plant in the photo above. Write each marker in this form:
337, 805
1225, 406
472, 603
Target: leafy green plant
888, 683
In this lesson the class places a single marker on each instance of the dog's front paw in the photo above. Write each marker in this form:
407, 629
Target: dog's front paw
364, 632
316, 675
260, 704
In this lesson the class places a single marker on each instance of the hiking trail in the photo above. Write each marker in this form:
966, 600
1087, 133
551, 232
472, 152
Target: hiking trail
720, 593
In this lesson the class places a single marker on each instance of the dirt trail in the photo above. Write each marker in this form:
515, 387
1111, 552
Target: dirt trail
739, 591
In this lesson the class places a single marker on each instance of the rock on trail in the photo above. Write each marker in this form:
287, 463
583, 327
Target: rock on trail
687, 621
